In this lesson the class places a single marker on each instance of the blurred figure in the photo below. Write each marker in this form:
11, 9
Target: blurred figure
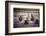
32, 17
20, 18
29, 20
37, 21
26, 21
21, 21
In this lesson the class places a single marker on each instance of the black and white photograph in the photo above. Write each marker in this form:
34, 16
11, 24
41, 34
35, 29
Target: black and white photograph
26, 17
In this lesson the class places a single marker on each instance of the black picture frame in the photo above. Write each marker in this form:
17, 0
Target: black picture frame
6, 18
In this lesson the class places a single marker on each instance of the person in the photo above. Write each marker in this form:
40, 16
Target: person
32, 17
26, 21
37, 22
20, 18
31, 21
21, 21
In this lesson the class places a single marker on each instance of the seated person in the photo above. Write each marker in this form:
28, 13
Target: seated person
26, 22
37, 21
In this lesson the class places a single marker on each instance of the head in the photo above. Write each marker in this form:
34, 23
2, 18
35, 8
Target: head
32, 17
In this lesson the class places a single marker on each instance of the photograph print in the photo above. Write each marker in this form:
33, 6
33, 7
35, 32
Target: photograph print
26, 17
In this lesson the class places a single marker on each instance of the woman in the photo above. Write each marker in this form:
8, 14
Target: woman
31, 21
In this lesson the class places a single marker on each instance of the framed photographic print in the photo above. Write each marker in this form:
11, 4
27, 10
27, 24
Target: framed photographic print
24, 17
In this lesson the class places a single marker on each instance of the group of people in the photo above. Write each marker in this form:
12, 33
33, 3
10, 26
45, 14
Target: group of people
32, 19
25, 22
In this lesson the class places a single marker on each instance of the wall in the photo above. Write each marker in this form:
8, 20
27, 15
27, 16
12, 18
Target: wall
2, 18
